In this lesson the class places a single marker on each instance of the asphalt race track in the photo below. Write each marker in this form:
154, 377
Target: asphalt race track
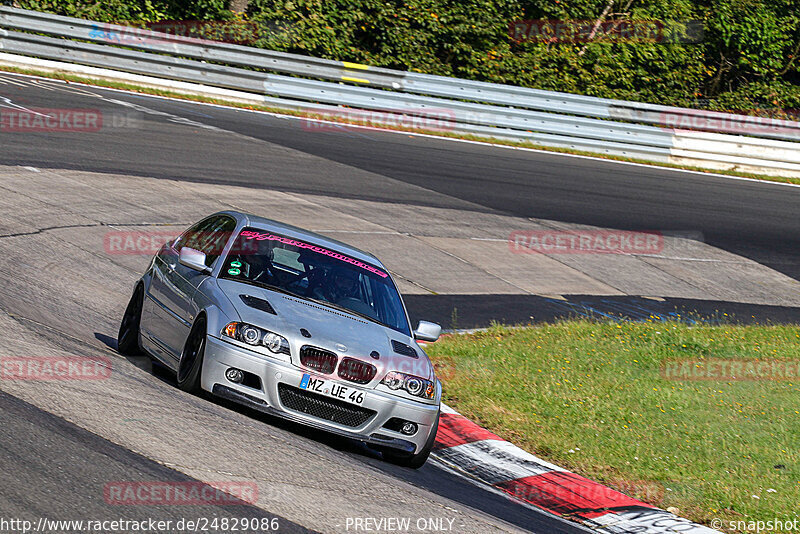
62, 293
756, 220
87, 462
213, 145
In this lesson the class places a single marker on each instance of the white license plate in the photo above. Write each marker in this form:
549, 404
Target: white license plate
333, 389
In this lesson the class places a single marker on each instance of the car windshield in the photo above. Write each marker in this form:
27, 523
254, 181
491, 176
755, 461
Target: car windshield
313, 272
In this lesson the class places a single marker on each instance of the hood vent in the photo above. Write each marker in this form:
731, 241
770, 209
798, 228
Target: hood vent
259, 304
405, 350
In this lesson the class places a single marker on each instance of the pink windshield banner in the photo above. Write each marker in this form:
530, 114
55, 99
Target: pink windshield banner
258, 236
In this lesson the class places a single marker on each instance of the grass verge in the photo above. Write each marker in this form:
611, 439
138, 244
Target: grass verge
222, 102
616, 403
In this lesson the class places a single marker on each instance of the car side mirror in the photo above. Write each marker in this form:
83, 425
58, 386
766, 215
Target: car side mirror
427, 331
194, 259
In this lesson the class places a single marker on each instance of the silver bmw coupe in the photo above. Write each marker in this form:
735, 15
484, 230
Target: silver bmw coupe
291, 323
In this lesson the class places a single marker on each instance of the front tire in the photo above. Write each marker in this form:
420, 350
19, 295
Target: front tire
414, 461
191, 365
128, 336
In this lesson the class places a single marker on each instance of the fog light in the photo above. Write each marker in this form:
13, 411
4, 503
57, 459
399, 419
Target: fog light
234, 375
409, 428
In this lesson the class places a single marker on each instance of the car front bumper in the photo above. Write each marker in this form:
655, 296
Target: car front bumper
221, 355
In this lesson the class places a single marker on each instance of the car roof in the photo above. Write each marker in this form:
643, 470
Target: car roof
262, 223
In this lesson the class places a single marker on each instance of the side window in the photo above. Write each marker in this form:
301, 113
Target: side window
187, 238
208, 236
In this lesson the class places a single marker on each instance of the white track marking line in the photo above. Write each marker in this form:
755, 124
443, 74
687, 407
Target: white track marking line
454, 469
495, 461
11, 105
764, 182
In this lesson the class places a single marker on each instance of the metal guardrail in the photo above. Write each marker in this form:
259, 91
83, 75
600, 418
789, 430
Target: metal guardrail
587, 106
409, 82
209, 51
253, 83
464, 106
464, 113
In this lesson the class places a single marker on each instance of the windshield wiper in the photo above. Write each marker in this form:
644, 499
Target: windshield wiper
321, 302
345, 309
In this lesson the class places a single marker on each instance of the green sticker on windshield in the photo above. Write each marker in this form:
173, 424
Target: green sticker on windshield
234, 272
236, 263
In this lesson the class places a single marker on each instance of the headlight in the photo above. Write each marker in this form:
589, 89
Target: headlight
393, 380
416, 386
252, 335
274, 342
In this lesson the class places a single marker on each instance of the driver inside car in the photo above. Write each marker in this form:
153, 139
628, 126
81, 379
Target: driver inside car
261, 263
339, 284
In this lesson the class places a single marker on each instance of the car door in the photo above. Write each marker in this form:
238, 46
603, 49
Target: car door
174, 285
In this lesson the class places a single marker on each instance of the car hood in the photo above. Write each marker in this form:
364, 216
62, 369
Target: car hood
340, 332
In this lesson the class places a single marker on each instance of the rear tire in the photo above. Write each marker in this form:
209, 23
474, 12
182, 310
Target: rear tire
128, 336
191, 365
413, 461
